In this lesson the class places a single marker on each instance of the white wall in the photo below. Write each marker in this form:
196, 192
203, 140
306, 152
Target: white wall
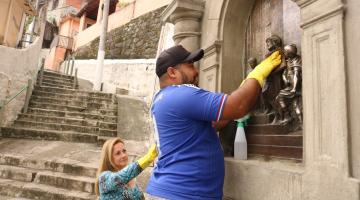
137, 76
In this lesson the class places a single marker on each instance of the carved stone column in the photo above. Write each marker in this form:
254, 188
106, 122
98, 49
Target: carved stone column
186, 16
326, 141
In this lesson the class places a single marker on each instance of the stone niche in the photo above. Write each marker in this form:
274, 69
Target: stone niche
275, 126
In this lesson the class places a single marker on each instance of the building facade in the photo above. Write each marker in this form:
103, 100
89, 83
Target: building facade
12, 20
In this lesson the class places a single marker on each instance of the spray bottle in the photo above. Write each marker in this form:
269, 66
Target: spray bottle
240, 144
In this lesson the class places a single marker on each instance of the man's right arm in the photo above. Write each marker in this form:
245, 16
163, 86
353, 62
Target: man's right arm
241, 100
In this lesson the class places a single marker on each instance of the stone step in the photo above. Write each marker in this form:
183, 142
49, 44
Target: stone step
62, 78
77, 115
38, 134
59, 120
74, 92
74, 97
51, 106
56, 81
278, 140
62, 102
77, 103
284, 152
108, 125
55, 127
50, 165
12, 198
40, 191
17, 173
45, 84
102, 139
56, 74
108, 132
61, 180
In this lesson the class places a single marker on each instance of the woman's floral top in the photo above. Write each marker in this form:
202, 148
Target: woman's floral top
113, 185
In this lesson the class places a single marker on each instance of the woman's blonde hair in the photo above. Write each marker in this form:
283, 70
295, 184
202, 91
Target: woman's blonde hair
106, 162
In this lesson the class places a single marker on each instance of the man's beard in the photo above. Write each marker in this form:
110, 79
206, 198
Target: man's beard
186, 80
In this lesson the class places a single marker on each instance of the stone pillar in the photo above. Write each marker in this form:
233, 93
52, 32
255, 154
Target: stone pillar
326, 142
186, 16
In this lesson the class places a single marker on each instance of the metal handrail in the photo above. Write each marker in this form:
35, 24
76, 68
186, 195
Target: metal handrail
29, 89
6, 102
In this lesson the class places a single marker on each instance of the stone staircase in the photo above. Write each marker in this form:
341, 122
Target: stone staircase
58, 112
52, 151
37, 178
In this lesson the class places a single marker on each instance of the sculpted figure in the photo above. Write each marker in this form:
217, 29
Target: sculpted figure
252, 62
289, 98
273, 82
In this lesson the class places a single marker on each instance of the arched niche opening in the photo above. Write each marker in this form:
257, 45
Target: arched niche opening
245, 26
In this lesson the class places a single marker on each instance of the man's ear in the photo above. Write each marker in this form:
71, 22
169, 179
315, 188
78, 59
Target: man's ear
171, 72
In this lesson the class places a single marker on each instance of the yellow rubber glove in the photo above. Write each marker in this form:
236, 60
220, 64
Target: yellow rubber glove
262, 70
146, 160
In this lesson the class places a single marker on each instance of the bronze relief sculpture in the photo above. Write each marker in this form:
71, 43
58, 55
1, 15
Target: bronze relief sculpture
289, 106
281, 94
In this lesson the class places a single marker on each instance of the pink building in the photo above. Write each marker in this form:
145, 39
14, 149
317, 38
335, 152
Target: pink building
63, 43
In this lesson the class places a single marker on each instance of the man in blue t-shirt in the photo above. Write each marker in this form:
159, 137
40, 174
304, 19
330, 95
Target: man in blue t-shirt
191, 161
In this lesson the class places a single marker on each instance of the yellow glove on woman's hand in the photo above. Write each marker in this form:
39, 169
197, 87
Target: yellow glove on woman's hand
262, 70
146, 160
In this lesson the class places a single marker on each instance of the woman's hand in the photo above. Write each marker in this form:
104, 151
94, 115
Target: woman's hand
146, 160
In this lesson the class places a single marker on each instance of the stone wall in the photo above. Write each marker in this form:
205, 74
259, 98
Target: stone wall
16, 67
136, 39
136, 76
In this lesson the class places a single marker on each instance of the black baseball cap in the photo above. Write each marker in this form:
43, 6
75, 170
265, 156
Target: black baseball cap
176, 55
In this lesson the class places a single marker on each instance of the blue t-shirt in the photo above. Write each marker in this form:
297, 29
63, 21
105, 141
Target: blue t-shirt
191, 161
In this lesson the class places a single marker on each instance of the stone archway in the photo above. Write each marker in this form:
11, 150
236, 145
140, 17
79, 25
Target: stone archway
244, 28
233, 33
235, 14
326, 145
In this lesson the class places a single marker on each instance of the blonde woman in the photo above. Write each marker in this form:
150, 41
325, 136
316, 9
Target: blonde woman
115, 177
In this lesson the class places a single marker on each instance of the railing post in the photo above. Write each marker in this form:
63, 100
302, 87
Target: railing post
72, 65
75, 79
28, 95
68, 66
64, 70
2, 104
41, 72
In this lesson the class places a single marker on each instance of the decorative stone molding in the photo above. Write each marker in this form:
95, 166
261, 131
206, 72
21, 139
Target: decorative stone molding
186, 16
323, 50
213, 49
326, 143
209, 68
